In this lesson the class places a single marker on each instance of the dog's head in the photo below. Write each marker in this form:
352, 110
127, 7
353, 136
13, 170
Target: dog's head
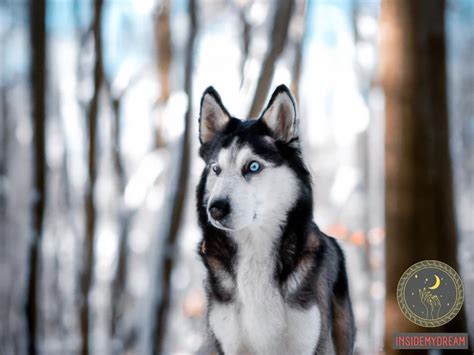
254, 174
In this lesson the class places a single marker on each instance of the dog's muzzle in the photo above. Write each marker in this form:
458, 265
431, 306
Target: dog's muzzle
219, 210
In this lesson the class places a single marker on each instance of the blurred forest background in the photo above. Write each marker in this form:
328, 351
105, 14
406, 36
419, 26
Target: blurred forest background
98, 155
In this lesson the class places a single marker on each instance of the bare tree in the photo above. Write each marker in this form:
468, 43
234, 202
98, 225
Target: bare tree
4, 151
163, 45
124, 216
300, 19
90, 214
161, 309
246, 37
278, 36
370, 161
164, 59
38, 101
419, 216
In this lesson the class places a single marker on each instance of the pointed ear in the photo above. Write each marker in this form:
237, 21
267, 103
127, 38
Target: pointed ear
280, 115
213, 115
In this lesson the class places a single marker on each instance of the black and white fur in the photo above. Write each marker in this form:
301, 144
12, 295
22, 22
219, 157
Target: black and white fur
275, 283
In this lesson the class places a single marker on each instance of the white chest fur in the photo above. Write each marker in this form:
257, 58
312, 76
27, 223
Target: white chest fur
259, 321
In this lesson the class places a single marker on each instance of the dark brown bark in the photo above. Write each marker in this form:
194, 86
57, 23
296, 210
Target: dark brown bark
163, 45
419, 212
38, 101
90, 214
179, 192
278, 36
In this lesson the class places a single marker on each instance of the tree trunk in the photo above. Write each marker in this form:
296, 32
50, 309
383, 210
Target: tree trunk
279, 34
38, 101
180, 191
90, 215
119, 282
420, 222
164, 59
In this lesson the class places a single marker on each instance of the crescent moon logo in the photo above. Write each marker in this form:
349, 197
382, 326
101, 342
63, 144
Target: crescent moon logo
426, 305
436, 284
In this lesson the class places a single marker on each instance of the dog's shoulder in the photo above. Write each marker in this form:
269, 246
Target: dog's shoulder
315, 269
218, 253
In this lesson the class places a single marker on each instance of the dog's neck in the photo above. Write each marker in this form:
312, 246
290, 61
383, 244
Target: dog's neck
281, 239
258, 240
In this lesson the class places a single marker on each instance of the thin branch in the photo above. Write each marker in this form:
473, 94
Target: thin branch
278, 36
180, 191
246, 40
118, 292
120, 277
300, 29
4, 151
90, 214
38, 98
164, 60
163, 45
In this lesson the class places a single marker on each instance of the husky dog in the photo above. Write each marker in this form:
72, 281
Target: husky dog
275, 283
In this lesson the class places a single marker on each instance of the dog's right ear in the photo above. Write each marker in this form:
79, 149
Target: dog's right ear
213, 116
281, 116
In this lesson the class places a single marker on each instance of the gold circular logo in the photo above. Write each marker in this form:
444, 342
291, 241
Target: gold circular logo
430, 293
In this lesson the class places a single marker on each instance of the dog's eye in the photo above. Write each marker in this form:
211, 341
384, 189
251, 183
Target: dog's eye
216, 168
253, 167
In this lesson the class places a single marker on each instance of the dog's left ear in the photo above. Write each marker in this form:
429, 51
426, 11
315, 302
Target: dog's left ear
213, 115
280, 115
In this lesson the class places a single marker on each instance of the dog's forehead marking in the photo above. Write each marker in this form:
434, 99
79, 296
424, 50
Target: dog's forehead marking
228, 154
234, 155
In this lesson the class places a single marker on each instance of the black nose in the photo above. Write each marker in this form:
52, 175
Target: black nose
219, 209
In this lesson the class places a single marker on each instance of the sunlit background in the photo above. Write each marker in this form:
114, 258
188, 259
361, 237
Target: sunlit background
330, 56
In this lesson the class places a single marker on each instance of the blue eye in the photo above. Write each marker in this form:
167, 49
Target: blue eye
254, 166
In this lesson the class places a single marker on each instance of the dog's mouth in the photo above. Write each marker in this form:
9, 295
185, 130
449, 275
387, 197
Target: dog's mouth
220, 225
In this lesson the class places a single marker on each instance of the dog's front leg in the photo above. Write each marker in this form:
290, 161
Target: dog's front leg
343, 330
224, 324
304, 330
343, 327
